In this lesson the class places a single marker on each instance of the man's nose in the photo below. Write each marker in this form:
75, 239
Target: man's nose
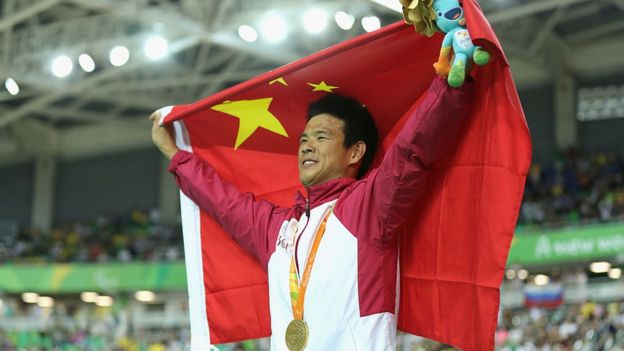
307, 147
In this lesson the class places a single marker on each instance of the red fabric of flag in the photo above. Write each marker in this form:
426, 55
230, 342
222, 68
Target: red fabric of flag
454, 249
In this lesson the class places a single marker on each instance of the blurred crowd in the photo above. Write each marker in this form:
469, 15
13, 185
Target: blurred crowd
81, 327
139, 235
62, 339
575, 189
581, 327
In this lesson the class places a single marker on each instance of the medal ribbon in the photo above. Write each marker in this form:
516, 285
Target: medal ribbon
297, 292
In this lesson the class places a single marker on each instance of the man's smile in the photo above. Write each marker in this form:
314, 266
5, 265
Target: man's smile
308, 162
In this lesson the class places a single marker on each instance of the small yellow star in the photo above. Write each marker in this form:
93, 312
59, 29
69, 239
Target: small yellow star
252, 115
322, 86
280, 80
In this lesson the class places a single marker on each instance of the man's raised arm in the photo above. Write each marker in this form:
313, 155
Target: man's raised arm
428, 135
249, 222
386, 196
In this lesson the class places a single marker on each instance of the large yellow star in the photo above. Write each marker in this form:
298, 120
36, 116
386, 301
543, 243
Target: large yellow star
322, 86
252, 115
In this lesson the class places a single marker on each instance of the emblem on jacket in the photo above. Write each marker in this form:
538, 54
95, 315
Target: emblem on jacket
285, 239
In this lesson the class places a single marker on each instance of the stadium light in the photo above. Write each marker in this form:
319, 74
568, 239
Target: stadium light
247, 33
511, 274
371, 23
89, 296
541, 279
600, 267
315, 21
11, 86
86, 63
523, 274
30, 297
615, 273
156, 47
104, 301
344, 20
391, 4
119, 56
145, 296
62, 66
45, 301
273, 28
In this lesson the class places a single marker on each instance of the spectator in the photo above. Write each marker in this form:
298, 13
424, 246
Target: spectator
137, 236
576, 189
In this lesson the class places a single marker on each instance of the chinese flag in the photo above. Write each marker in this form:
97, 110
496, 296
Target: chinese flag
455, 245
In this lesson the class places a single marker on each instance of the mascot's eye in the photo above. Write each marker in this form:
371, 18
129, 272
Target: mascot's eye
440, 14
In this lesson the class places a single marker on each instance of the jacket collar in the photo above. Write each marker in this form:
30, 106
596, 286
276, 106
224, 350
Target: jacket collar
324, 192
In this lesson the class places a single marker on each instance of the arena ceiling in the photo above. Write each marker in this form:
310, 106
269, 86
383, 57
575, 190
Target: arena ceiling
106, 110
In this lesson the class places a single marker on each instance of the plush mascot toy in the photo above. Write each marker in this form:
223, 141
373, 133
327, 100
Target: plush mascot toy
448, 16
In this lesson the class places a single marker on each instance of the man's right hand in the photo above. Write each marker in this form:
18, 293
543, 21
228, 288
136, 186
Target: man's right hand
161, 136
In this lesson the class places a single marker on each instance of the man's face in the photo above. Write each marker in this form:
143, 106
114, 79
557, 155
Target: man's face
322, 154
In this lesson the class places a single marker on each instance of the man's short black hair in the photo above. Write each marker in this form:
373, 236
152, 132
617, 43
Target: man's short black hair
358, 123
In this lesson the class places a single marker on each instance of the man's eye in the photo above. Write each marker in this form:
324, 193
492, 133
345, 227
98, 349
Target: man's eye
322, 138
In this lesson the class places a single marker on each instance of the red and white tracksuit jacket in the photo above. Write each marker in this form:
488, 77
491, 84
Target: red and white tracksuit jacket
351, 300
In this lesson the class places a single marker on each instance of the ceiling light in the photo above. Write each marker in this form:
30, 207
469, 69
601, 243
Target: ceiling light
86, 63
391, 4
156, 47
315, 21
541, 279
371, 23
145, 296
11, 86
89, 296
104, 301
615, 273
119, 56
600, 267
62, 66
45, 301
344, 20
273, 28
247, 33
523, 274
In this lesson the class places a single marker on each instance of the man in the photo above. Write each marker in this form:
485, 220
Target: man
332, 258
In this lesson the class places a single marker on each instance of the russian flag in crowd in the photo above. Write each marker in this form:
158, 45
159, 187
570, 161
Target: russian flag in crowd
550, 295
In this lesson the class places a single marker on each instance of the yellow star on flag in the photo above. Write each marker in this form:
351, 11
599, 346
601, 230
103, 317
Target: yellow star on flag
322, 86
280, 80
252, 114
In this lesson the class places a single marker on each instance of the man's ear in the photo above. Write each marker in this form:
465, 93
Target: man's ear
357, 152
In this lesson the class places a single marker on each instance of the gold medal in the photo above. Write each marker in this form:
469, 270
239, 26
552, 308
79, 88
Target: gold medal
297, 335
